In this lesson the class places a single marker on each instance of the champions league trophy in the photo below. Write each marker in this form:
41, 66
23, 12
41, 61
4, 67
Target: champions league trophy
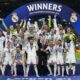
32, 28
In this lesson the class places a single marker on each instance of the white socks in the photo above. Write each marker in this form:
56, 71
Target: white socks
36, 70
55, 68
48, 66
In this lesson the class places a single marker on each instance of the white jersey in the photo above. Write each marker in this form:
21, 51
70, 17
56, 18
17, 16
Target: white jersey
2, 39
8, 52
31, 49
60, 37
70, 55
31, 52
14, 43
52, 58
53, 37
52, 50
60, 55
22, 42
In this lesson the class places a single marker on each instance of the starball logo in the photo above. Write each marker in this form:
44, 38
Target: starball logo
44, 6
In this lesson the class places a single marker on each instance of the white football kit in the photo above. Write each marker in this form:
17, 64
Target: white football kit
60, 56
2, 39
31, 53
52, 58
52, 37
70, 55
8, 56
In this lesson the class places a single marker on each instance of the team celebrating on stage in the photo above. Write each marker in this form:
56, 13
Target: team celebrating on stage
27, 44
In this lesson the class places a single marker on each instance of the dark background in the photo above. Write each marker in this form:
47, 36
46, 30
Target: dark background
7, 6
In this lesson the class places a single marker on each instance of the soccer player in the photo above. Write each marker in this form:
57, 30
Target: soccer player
52, 35
60, 57
70, 56
69, 34
2, 45
18, 58
32, 58
14, 41
8, 55
61, 36
52, 58
56, 28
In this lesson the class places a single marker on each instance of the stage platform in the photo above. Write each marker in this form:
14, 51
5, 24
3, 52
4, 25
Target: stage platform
43, 71
40, 78
32, 76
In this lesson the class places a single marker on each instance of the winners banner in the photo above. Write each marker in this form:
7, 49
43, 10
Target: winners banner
43, 7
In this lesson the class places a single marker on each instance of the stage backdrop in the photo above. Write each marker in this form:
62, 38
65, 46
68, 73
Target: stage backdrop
45, 7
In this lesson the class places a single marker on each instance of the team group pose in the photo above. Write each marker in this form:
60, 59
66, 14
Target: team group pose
27, 44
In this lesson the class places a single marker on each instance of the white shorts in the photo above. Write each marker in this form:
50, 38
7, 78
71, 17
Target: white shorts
31, 60
1, 55
52, 59
60, 59
7, 61
70, 58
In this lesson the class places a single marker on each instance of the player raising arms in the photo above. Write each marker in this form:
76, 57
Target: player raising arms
52, 59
